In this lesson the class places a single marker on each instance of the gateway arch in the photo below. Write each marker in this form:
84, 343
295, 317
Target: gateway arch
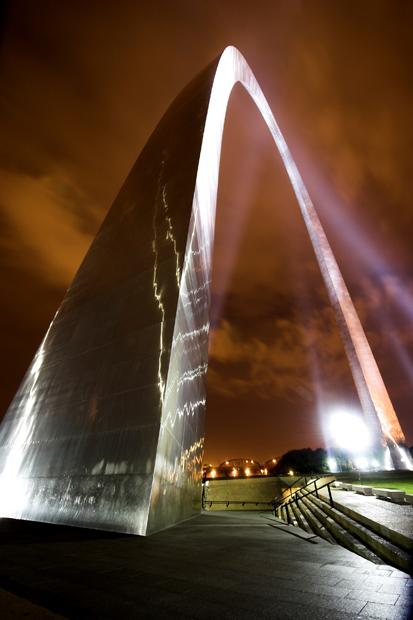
107, 428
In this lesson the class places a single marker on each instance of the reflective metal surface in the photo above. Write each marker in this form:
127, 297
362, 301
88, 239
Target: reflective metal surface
107, 427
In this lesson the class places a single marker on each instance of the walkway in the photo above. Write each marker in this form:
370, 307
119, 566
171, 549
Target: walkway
231, 565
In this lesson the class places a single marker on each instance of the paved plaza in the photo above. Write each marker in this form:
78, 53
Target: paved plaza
231, 565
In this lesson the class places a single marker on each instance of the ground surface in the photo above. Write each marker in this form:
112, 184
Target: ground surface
218, 565
15, 607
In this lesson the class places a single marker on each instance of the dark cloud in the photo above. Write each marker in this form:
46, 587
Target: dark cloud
83, 84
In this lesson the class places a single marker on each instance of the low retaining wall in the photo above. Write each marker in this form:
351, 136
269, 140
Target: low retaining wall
262, 489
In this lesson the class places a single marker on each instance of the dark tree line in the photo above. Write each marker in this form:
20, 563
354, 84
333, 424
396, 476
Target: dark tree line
305, 461
308, 461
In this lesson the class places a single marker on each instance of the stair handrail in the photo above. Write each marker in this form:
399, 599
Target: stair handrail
297, 499
283, 497
234, 501
290, 487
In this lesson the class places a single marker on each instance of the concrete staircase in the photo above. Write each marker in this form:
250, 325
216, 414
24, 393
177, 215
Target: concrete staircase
314, 514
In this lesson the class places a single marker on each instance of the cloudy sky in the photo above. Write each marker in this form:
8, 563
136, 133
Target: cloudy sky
82, 86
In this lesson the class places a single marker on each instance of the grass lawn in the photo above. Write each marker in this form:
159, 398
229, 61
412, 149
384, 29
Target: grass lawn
403, 481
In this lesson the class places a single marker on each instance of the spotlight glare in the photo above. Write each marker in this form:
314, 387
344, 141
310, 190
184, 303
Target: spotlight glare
361, 463
349, 431
332, 463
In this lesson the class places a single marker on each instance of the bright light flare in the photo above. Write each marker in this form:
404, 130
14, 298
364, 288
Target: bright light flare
362, 463
349, 431
388, 463
405, 457
332, 464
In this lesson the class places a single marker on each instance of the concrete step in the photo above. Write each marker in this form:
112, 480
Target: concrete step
349, 530
387, 551
300, 519
343, 535
315, 524
393, 536
339, 534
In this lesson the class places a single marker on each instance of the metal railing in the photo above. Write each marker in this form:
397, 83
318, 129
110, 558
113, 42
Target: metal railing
288, 500
282, 497
209, 503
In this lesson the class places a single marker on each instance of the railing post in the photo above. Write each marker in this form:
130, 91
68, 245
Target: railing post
288, 514
315, 487
330, 496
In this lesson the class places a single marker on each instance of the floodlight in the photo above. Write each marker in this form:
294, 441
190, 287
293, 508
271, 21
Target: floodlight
332, 463
349, 431
362, 463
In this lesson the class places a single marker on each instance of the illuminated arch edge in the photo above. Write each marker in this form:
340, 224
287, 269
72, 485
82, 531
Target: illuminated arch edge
144, 472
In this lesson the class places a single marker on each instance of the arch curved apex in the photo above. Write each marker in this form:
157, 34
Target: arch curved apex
377, 407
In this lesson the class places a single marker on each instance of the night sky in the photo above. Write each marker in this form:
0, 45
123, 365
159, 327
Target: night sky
82, 86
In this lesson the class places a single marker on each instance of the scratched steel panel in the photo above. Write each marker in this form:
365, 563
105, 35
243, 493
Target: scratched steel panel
79, 442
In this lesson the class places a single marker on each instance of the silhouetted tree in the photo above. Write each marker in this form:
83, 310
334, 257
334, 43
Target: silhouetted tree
305, 461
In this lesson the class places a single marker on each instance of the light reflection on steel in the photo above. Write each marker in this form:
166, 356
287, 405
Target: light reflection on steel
107, 427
